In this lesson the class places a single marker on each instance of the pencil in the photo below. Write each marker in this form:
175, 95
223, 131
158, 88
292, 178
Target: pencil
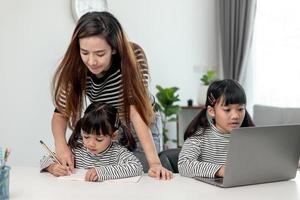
6, 154
50, 152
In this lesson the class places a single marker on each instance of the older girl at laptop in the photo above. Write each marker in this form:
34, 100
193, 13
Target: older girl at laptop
207, 136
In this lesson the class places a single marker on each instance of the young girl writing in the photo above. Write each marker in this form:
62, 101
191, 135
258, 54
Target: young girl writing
207, 136
94, 149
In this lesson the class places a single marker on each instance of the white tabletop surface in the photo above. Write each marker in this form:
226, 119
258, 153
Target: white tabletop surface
28, 183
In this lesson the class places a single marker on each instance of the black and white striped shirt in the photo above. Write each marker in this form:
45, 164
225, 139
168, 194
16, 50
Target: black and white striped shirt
203, 153
113, 163
109, 88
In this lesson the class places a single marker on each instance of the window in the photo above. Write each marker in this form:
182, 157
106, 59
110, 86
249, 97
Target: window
276, 54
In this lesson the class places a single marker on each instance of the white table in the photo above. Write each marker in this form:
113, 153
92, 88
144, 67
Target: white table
28, 183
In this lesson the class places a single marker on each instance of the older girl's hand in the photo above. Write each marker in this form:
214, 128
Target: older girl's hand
220, 172
91, 175
159, 172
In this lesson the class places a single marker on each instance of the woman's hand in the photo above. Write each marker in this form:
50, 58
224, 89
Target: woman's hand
220, 172
91, 175
143, 132
159, 172
65, 156
57, 170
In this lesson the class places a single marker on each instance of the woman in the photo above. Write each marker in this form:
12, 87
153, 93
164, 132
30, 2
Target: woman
101, 64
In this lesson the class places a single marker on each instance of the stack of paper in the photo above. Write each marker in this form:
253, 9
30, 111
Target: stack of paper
80, 174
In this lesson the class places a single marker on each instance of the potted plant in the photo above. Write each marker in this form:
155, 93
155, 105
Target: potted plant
209, 77
206, 80
167, 98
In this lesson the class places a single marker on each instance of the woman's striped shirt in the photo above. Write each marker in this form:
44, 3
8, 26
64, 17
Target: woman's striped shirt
109, 88
113, 163
203, 153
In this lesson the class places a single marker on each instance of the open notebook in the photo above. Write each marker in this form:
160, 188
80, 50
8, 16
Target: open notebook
80, 174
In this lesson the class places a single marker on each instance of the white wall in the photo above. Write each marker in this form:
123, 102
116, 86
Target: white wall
176, 36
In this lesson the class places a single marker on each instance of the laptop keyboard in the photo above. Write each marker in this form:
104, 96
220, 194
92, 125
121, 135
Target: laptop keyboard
213, 181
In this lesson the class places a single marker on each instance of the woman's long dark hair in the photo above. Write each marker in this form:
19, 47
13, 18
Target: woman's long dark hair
232, 92
100, 119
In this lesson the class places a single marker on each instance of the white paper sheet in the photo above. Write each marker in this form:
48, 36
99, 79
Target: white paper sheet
80, 174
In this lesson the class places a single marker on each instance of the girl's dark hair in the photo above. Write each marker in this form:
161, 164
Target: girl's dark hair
100, 119
232, 93
69, 81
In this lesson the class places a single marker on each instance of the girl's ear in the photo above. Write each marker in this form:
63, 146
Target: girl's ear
114, 136
113, 51
211, 111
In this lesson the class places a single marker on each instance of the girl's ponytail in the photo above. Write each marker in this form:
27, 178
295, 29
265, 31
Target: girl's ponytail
75, 135
126, 138
199, 121
247, 122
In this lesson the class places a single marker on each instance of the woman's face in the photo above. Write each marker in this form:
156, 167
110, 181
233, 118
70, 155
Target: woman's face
227, 117
96, 54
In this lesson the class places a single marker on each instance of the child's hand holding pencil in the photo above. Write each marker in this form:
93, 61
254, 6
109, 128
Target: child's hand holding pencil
66, 157
57, 169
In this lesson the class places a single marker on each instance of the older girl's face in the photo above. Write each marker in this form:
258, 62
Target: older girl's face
96, 54
227, 117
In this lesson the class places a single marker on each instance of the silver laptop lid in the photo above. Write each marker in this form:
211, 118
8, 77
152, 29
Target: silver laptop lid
262, 154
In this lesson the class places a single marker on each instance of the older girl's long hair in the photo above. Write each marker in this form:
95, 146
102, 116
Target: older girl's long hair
228, 90
69, 81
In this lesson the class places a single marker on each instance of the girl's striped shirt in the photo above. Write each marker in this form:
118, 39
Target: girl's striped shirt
203, 154
113, 163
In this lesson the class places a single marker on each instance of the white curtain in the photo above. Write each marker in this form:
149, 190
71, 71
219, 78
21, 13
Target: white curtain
274, 78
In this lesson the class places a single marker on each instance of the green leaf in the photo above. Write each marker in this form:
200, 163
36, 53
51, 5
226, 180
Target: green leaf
166, 99
172, 110
209, 77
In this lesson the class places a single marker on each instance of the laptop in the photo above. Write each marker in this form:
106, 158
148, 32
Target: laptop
260, 155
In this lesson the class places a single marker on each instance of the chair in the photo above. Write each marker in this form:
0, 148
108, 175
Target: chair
269, 115
142, 158
169, 159
184, 118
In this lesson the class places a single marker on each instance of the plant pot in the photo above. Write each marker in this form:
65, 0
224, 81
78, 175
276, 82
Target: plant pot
202, 94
